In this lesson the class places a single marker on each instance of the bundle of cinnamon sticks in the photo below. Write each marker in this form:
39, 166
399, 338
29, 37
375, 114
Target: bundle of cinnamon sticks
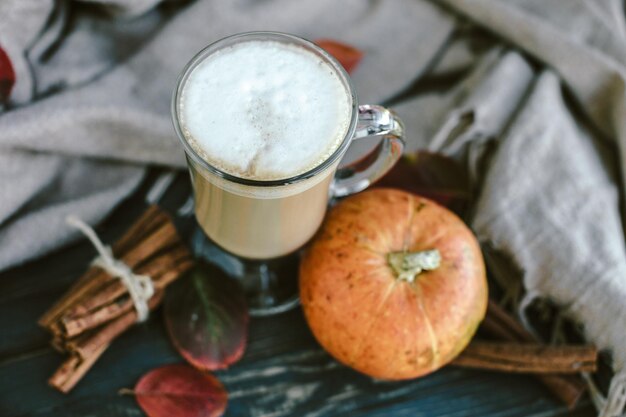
98, 308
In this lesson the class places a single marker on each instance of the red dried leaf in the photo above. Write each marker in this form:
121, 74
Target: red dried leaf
180, 391
207, 318
7, 77
431, 175
348, 56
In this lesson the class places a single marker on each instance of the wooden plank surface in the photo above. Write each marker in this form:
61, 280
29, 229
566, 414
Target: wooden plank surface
283, 373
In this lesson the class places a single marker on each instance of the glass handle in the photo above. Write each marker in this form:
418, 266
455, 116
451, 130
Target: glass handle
373, 121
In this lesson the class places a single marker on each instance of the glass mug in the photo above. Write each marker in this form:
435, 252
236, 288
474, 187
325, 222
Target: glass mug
257, 227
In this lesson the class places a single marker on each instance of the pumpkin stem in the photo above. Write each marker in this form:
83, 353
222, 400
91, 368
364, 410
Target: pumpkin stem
408, 265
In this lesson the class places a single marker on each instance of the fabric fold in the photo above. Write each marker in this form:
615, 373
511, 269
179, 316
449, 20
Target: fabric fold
549, 203
100, 97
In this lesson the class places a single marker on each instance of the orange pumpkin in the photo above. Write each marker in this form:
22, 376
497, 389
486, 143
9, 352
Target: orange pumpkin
366, 300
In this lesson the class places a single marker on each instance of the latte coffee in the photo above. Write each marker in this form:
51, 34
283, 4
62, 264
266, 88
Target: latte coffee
263, 114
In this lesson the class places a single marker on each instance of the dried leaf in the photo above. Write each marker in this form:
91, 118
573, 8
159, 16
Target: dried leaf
7, 76
431, 175
180, 391
207, 318
348, 56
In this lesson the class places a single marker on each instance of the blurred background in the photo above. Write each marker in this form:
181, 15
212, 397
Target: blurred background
526, 97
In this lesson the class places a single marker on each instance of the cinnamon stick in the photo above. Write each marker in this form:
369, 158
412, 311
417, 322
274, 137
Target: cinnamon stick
99, 312
78, 290
568, 388
74, 326
98, 308
163, 237
85, 347
528, 358
152, 242
151, 218
89, 349
138, 234
178, 259
72, 370
500, 324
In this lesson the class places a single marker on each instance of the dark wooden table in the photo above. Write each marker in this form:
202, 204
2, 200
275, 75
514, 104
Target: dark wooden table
283, 373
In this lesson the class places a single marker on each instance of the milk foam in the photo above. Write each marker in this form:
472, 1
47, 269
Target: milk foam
264, 110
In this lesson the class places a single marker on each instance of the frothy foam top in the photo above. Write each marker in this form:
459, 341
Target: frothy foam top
264, 110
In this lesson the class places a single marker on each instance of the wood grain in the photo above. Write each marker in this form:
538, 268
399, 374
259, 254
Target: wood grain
284, 372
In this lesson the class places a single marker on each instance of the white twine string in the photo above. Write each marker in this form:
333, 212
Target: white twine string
527, 300
598, 399
140, 287
616, 399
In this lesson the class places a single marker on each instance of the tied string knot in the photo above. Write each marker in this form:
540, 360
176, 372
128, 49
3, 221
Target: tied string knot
140, 287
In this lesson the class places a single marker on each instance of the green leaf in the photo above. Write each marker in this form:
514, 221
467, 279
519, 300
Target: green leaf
207, 318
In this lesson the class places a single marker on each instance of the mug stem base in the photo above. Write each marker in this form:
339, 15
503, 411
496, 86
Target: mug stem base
271, 286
